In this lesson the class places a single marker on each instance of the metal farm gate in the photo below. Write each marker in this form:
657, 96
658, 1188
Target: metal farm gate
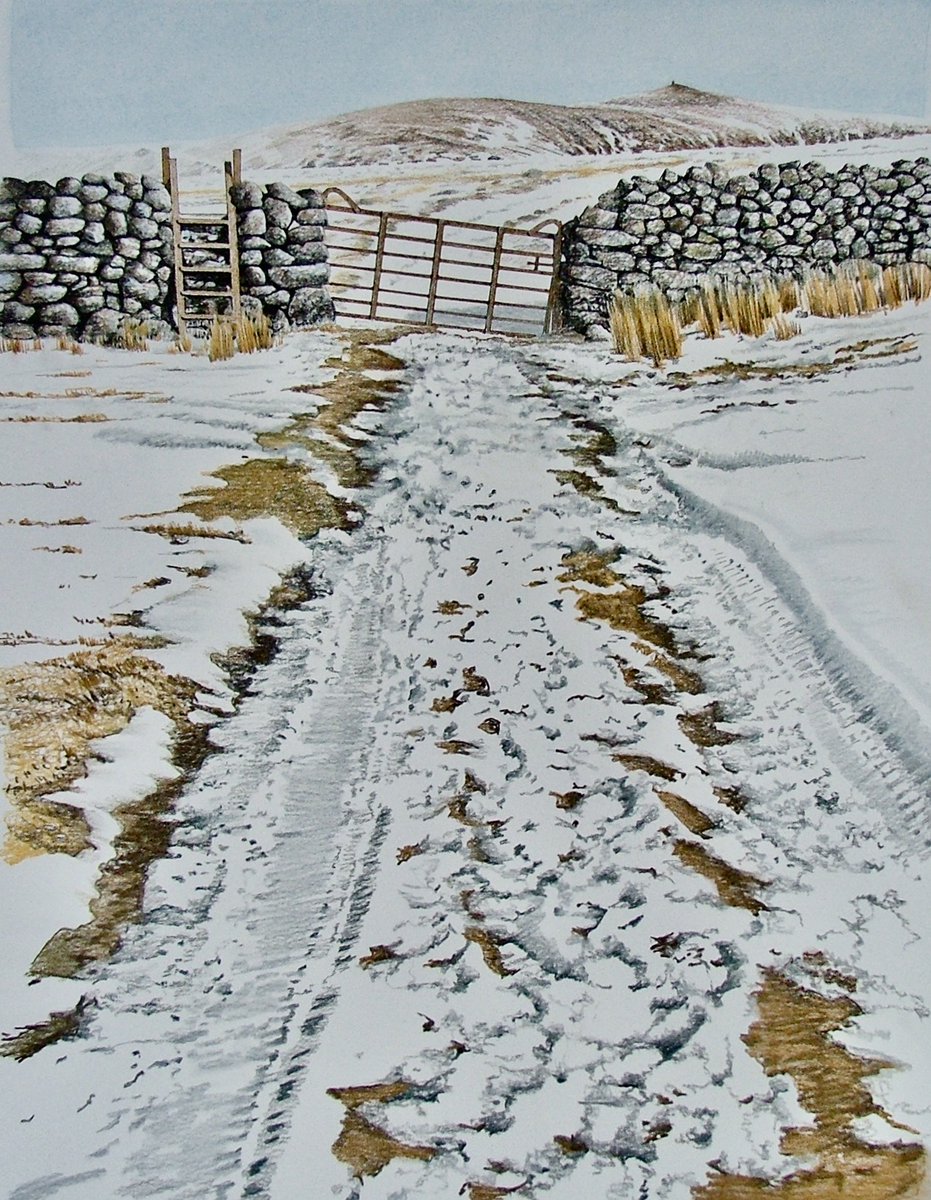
388, 266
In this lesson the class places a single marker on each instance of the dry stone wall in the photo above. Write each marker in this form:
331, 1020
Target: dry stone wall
786, 219
81, 256
282, 254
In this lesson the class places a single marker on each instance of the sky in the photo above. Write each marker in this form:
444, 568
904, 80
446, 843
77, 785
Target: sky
88, 72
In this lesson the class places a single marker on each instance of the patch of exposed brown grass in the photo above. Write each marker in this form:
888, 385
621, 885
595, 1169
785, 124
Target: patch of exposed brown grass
702, 728
176, 531
53, 711
490, 946
58, 1027
362, 1145
270, 487
845, 358
792, 1036
734, 887
653, 766
691, 817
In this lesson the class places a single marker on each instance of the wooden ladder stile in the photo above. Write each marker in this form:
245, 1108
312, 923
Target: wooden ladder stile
213, 232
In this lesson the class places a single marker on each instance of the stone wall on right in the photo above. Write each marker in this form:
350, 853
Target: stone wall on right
784, 219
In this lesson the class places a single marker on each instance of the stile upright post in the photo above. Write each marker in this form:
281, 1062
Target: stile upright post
232, 237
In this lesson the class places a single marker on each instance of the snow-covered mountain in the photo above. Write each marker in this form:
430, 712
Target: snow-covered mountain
672, 118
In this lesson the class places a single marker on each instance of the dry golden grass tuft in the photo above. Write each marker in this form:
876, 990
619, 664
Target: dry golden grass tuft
253, 332
133, 335
248, 333
646, 325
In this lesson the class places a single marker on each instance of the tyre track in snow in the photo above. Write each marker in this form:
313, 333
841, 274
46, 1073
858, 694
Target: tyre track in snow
421, 866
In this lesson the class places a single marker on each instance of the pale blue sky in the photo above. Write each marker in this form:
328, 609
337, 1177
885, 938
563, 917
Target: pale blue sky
150, 71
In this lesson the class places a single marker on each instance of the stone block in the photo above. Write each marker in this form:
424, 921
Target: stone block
246, 195
142, 227
27, 223
91, 300
312, 253
277, 257
13, 310
136, 289
79, 265
22, 262
702, 251
49, 293
65, 206
281, 191
252, 223
92, 193
277, 212
311, 216
302, 235
311, 306
63, 226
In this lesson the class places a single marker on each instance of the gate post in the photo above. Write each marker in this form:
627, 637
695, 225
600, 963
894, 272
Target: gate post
493, 286
435, 271
379, 258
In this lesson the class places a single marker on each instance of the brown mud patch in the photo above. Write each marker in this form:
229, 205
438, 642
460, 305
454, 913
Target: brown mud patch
277, 486
792, 1036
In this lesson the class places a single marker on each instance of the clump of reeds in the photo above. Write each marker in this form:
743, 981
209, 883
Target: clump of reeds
134, 335
245, 335
646, 325
784, 329
222, 343
66, 342
17, 345
253, 333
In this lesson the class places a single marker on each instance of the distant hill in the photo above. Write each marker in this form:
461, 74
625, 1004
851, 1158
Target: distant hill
672, 118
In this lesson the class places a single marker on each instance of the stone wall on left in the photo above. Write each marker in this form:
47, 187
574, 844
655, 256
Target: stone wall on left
81, 256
